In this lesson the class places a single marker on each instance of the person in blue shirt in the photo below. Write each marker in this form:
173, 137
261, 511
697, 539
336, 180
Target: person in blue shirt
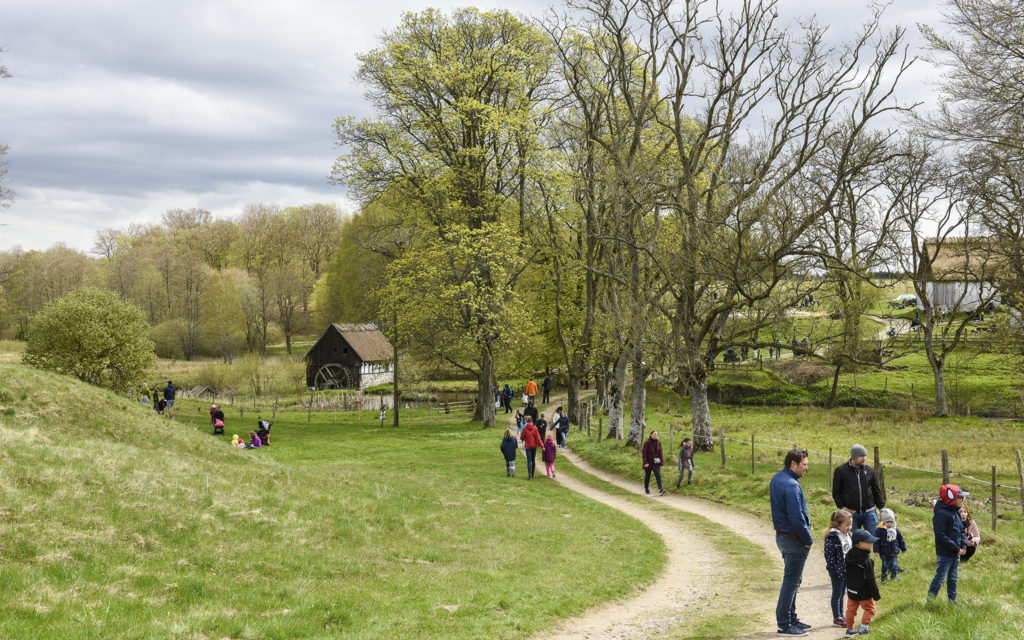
792, 536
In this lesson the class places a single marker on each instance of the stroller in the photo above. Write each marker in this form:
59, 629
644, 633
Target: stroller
218, 422
263, 431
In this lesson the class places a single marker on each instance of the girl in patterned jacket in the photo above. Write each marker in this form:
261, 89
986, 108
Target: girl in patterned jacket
837, 544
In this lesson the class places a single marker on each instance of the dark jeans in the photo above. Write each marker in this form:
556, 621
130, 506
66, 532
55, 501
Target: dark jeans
838, 595
890, 565
689, 478
507, 403
867, 520
794, 556
562, 438
547, 396
967, 556
948, 571
647, 478
531, 461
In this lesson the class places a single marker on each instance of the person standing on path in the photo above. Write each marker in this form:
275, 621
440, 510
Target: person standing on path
652, 458
531, 440
855, 489
531, 391
546, 385
506, 398
792, 537
950, 540
685, 462
169, 393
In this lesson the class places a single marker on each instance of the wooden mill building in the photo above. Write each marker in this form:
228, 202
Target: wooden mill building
350, 356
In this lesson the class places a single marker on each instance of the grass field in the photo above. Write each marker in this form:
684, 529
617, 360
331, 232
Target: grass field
991, 584
120, 524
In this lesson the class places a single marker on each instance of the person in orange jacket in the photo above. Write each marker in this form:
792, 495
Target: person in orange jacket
531, 440
531, 390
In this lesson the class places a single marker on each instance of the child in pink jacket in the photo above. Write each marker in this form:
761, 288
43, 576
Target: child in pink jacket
549, 455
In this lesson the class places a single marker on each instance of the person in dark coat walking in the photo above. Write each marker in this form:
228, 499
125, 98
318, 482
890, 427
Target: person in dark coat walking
506, 398
652, 458
685, 462
508, 450
855, 489
546, 385
950, 540
561, 425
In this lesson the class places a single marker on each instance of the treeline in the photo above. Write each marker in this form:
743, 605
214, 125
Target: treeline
635, 188
207, 286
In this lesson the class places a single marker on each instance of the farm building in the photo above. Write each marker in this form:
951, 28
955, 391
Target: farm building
350, 356
962, 274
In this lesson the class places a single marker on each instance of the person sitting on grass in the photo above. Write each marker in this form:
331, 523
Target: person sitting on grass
254, 441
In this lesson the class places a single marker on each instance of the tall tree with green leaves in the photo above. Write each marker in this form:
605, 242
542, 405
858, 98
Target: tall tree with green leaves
455, 99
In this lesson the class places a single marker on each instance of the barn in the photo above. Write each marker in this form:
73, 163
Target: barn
962, 275
350, 356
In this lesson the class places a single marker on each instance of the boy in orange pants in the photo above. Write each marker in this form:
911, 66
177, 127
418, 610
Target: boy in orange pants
861, 587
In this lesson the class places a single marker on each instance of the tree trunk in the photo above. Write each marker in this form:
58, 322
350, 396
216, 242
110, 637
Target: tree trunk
485, 389
394, 379
573, 391
639, 404
601, 382
616, 397
939, 371
701, 414
835, 384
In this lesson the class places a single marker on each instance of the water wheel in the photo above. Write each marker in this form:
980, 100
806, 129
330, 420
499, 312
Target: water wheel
332, 376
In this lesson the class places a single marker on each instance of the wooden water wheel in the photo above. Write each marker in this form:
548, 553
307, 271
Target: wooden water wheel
332, 376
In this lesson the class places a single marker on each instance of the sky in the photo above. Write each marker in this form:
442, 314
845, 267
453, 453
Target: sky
117, 111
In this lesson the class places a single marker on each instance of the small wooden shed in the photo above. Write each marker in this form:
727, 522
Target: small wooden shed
350, 356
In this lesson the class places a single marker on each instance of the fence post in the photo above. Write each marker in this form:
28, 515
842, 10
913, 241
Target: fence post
1020, 478
309, 409
752, 454
275, 409
878, 464
671, 440
721, 443
241, 411
828, 480
945, 467
994, 513
446, 407
600, 425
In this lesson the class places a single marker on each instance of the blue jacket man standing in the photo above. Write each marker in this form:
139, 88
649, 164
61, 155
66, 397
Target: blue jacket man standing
793, 538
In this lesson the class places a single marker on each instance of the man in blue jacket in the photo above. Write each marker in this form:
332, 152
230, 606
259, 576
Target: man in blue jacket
950, 539
792, 536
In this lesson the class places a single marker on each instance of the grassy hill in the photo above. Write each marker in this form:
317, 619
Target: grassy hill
116, 523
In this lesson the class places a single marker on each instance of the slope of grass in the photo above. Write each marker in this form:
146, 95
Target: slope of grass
115, 523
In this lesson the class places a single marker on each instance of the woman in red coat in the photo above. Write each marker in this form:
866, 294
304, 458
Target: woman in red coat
531, 440
652, 457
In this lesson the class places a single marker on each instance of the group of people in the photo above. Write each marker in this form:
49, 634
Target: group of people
854, 533
503, 397
533, 431
652, 456
161, 406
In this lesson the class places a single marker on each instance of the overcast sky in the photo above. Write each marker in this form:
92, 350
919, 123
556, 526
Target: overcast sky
118, 111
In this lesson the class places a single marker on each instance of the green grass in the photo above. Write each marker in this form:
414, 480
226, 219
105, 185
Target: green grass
120, 524
990, 585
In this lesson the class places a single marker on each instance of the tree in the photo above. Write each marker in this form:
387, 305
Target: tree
454, 127
222, 328
93, 335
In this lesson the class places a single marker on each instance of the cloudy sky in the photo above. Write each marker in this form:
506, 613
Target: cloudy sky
118, 111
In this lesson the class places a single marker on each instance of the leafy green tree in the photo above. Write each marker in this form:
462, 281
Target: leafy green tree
93, 335
222, 328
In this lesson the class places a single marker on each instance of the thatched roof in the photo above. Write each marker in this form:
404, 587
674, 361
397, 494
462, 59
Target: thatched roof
963, 259
367, 341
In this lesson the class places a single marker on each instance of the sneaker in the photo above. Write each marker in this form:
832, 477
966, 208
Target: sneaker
864, 630
801, 625
852, 632
894, 576
647, 491
884, 579
661, 492
839, 622
792, 632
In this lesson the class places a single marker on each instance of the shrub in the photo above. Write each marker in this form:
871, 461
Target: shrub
93, 335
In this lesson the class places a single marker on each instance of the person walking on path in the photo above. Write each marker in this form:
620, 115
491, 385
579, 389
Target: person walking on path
792, 537
950, 540
506, 398
531, 391
531, 412
508, 450
531, 440
861, 588
546, 385
169, 392
837, 544
685, 462
652, 458
542, 426
549, 455
561, 425
855, 489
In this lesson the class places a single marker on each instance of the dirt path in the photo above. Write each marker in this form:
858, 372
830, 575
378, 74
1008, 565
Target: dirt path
690, 583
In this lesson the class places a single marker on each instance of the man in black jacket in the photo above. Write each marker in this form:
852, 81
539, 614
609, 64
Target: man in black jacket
855, 490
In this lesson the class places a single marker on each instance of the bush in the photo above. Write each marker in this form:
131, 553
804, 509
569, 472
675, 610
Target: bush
94, 335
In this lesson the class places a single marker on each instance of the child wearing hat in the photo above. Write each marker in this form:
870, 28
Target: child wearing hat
890, 544
861, 588
950, 539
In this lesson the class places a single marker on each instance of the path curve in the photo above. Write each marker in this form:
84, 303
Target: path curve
683, 587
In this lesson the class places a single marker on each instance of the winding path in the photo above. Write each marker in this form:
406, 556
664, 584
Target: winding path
691, 581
